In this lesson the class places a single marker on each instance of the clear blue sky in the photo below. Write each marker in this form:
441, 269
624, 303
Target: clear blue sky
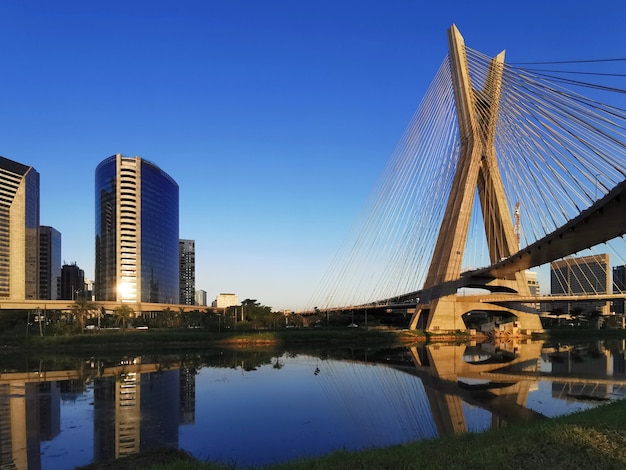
274, 117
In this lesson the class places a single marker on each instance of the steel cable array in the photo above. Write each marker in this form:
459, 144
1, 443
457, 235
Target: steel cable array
558, 152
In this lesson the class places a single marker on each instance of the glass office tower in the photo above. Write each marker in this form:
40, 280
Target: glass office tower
136, 232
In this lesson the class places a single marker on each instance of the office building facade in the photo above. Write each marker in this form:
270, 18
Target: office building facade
72, 282
49, 263
19, 231
226, 300
137, 257
201, 298
187, 271
619, 287
580, 276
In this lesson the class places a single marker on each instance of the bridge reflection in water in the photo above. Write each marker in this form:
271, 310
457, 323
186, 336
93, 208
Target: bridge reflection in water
107, 409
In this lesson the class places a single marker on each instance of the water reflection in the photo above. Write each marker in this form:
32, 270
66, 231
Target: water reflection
253, 408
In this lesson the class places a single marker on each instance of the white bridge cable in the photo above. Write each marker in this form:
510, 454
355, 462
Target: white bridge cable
420, 168
558, 152
418, 181
579, 146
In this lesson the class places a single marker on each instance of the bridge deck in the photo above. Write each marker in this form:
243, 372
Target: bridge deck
139, 307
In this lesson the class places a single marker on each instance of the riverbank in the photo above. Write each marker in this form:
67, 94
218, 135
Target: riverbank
173, 339
591, 439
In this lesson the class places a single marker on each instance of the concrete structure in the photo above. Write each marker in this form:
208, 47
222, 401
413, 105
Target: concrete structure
137, 257
226, 300
201, 297
485, 96
89, 289
187, 271
533, 283
49, 263
583, 275
19, 231
477, 169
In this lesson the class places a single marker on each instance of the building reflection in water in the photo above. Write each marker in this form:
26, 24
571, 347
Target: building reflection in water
135, 408
134, 411
588, 363
139, 405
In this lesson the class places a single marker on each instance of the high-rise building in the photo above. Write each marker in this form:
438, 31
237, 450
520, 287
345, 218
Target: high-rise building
136, 232
19, 231
201, 297
72, 282
49, 263
187, 271
580, 276
619, 287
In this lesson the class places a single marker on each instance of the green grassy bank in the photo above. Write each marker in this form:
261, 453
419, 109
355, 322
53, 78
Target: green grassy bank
172, 339
591, 439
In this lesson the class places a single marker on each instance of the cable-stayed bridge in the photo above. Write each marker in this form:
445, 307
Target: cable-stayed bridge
503, 167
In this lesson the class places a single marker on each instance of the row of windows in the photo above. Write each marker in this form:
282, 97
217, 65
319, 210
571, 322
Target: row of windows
156, 232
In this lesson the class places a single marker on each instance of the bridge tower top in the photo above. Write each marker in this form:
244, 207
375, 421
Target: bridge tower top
477, 111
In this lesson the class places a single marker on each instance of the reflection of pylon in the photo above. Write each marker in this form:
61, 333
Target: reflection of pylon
517, 228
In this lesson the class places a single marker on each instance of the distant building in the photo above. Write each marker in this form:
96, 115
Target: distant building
49, 263
19, 231
619, 287
72, 282
201, 298
579, 276
89, 289
533, 283
137, 255
225, 300
187, 271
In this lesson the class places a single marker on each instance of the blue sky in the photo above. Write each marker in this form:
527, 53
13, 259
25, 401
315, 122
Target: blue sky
274, 117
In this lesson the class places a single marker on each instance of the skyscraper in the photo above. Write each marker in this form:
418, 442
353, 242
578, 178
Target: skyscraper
19, 231
136, 232
72, 282
187, 271
49, 263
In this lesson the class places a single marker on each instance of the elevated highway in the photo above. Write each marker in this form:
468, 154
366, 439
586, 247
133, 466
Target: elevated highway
66, 305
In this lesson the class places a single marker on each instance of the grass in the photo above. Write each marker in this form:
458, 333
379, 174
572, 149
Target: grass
171, 339
590, 439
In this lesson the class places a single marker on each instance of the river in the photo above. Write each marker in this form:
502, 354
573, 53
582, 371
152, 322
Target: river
248, 408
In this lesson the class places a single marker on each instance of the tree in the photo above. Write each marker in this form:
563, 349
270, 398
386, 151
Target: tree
275, 319
123, 313
256, 313
81, 309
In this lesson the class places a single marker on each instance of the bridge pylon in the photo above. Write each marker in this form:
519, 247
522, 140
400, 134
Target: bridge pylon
477, 169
